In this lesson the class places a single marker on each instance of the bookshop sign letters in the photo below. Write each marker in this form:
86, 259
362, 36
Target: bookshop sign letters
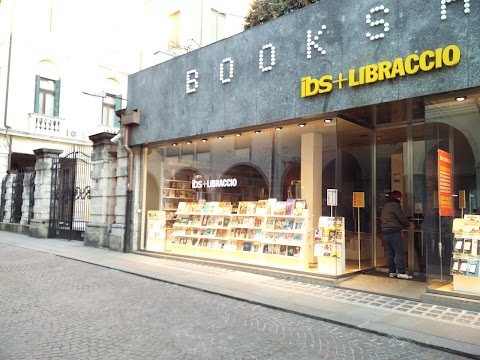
384, 70
218, 183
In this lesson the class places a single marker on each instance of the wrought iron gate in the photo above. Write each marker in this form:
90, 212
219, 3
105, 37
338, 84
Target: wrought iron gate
17, 199
70, 200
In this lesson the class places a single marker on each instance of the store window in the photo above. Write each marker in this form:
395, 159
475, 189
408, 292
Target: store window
452, 187
290, 164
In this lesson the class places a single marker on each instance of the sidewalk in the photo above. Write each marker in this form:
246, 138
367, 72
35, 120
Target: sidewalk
436, 326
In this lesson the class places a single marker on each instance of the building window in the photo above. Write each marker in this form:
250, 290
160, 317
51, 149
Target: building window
217, 25
174, 38
47, 96
111, 103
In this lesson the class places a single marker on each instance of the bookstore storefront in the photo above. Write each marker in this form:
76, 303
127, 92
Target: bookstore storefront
279, 166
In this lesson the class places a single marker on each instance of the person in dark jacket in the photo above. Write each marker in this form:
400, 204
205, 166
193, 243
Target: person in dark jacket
393, 221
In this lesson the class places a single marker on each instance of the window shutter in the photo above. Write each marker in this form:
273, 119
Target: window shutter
118, 106
37, 94
56, 101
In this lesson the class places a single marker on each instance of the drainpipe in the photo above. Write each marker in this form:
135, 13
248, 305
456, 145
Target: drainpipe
7, 88
128, 211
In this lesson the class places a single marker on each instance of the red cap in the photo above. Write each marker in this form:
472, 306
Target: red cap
396, 194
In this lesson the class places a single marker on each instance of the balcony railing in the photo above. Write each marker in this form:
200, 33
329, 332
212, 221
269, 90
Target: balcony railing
58, 127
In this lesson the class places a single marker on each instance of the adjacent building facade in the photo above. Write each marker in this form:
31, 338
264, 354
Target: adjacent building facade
330, 107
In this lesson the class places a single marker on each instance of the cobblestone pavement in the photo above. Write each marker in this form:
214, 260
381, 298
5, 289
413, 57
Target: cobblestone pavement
56, 308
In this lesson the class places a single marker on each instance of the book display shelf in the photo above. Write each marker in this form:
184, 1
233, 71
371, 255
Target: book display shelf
465, 259
176, 188
259, 233
329, 247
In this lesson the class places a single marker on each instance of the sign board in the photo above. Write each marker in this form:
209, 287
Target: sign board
445, 200
359, 199
332, 196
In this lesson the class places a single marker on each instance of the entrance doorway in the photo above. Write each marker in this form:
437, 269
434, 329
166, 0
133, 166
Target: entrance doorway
382, 148
400, 165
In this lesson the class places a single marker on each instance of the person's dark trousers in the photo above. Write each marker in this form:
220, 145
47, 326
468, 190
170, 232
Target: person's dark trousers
395, 256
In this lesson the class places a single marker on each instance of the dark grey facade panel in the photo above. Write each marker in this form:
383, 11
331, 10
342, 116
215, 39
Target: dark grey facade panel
255, 97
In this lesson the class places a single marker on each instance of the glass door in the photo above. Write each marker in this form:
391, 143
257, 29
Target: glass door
400, 165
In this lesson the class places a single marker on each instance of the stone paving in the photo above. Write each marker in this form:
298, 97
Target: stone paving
56, 308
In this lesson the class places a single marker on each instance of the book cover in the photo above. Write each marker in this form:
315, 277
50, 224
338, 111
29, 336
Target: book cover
298, 225
300, 206
261, 208
265, 249
458, 246
462, 267
290, 251
280, 208
269, 223
242, 208
206, 208
457, 227
467, 246
279, 224
472, 267
181, 207
258, 222
276, 250
200, 205
283, 249
247, 246
288, 224
256, 247
211, 243
226, 221
290, 207
270, 248
296, 251
271, 205
251, 207
240, 245
213, 208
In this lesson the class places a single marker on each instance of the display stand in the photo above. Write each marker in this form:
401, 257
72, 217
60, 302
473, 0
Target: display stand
252, 235
329, 245
156, 230
465, 261
359, 202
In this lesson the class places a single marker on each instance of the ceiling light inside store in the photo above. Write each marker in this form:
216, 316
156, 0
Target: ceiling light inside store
278, 128
189, 142
258, 131
220, 137
461, 98
204, 140
327, 120
238, 134
174, 144
302, 124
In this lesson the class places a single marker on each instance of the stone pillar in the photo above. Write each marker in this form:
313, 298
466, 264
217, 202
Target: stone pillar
117, 235
45, 158
4, 153
104, 183
7, 211
26, 198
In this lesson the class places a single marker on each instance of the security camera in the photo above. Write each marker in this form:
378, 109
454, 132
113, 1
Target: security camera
117, 138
